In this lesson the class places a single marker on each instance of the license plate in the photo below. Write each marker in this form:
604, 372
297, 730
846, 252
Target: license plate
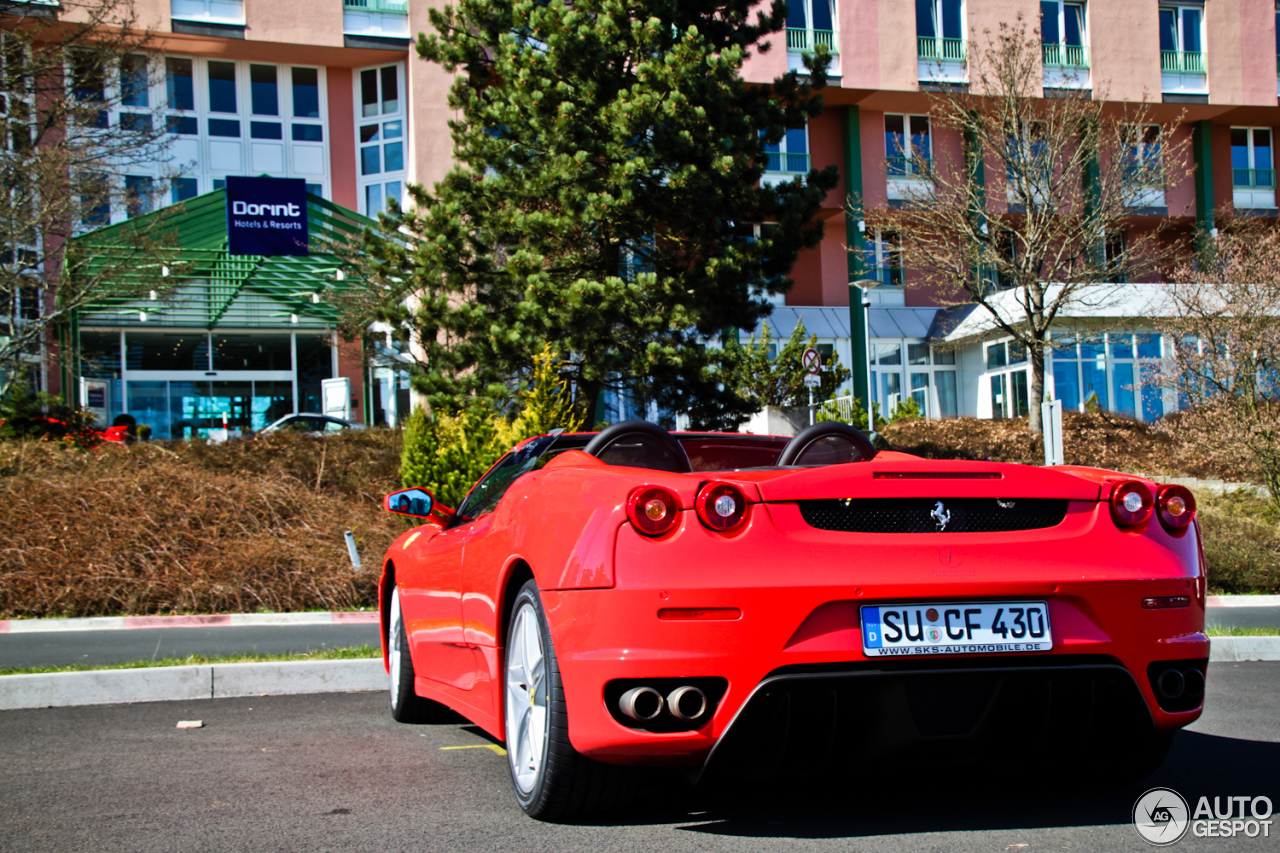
955, 628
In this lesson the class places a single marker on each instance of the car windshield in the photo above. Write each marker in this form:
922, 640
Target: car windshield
486, 494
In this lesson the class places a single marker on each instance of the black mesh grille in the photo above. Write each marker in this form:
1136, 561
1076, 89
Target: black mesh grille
927, 515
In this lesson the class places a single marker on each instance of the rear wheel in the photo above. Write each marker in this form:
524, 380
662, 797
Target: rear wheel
406, 705
552, 780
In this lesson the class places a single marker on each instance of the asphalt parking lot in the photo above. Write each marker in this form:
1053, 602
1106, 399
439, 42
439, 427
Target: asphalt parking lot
334, 773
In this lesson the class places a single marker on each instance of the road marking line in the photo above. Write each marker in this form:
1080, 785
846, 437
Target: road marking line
499, 750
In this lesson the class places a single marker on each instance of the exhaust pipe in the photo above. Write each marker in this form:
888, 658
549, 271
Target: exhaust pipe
1193, 683
687, 703
1171, 684
641, 703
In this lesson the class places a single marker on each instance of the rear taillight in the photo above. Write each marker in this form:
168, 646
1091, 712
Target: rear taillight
1176, 507
1131, 504
653, 510
721, 506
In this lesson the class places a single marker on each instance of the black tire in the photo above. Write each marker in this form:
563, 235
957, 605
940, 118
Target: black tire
567, 785
406, 705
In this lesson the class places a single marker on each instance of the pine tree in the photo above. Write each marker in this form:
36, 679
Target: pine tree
605, 200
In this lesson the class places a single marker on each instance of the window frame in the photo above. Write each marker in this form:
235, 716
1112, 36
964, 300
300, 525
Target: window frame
383, 178
782, 151
201, 168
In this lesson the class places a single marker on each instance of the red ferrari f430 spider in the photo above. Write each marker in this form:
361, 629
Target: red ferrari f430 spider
639, 597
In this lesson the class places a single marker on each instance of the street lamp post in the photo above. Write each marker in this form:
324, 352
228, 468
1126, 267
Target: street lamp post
860, 340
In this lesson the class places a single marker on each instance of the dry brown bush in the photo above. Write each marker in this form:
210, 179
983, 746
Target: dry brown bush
178, 528
1099, 439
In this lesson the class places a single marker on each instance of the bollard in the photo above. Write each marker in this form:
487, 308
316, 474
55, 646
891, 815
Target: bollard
352, 552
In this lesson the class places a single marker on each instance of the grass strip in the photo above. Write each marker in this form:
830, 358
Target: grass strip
345, 653
1237, 631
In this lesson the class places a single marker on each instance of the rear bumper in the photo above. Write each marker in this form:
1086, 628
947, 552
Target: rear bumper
797, 592
792, 640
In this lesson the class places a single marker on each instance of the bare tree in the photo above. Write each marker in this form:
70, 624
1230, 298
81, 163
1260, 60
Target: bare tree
1025, 221
80, 137
1225, 325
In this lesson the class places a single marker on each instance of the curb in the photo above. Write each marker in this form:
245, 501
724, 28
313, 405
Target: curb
116, 623
1242, 601
223, 681
210, 681
1244, 648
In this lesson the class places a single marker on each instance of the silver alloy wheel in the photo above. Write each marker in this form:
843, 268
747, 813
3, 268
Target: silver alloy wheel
393, 646
527, 717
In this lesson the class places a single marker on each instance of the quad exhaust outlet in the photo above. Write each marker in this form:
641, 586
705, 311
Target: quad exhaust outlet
1175, 684
641, 703
645, 704
687, 703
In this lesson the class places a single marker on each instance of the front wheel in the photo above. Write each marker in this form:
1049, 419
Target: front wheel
552, 780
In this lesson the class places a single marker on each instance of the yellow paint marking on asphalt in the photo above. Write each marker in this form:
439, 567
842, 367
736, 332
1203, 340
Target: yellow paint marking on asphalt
499, 750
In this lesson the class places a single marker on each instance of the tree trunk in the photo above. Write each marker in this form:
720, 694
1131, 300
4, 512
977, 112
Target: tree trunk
1037, 390
588, 399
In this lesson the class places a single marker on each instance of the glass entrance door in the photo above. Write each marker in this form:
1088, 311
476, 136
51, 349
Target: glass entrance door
186, 408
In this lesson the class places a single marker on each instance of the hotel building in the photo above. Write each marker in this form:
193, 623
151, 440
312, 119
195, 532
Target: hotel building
331, 92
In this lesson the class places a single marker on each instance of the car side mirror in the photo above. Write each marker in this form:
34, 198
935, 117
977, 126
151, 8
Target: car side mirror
417, 503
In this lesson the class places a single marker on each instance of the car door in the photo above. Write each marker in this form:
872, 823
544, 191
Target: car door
429, 576
433, 607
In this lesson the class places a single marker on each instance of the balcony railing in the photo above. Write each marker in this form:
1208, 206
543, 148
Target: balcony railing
393, 7
800, 40
909, 167
787, 164
1065, 56
1254, 179
944, 50
1182, 61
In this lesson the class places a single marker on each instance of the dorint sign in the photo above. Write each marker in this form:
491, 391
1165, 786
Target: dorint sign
266, 216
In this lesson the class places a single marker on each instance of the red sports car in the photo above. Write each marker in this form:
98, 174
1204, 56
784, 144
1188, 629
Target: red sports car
636, 597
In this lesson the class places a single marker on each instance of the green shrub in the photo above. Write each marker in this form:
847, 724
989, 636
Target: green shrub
448, 454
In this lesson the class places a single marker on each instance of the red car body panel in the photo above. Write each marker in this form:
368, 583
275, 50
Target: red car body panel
795, 589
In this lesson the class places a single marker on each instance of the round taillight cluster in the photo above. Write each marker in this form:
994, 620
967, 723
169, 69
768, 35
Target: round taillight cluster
1176, 507
1131, 503
721, 506
653, 510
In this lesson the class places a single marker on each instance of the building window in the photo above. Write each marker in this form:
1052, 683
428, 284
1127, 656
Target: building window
89, 89
16, 108
235, 118
927, 373
1062, 31
380, 133
791, 155
811, 23
1253, 177
1144, 178
940, 40
212, 11
1182, 61
1006, 363
1064, 51
1114, 371
1181, 39
884, 258
908, 145
139, 194
184, 188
